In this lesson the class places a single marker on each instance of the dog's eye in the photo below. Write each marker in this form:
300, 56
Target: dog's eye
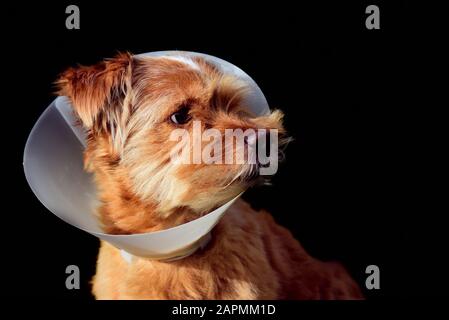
181, 116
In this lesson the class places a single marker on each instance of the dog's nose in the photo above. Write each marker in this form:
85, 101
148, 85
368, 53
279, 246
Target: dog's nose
267, 141
251, 139
259, 142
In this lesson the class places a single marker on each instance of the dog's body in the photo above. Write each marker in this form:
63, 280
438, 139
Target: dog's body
129, 107
249, 257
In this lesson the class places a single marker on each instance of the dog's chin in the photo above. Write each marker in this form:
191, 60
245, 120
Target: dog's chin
250, 180
251, 177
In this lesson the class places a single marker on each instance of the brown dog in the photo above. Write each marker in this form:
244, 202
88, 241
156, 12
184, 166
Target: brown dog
129, 106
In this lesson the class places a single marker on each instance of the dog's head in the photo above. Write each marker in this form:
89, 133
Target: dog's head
142, 116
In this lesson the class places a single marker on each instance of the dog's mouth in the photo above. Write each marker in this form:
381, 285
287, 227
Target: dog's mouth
252, 175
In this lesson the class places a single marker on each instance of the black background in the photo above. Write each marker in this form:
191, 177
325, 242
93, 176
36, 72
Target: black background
362, 106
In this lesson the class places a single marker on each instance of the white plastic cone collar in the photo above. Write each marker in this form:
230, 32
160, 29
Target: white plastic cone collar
53, 164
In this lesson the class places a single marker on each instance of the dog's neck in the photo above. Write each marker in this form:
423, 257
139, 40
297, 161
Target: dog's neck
132, 217
122, 212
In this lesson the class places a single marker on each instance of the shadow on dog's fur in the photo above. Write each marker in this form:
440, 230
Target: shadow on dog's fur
129, 106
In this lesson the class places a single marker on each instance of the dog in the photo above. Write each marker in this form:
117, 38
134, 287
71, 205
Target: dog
129, 106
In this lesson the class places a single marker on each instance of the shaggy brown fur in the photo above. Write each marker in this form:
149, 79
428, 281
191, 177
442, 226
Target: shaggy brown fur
126, 105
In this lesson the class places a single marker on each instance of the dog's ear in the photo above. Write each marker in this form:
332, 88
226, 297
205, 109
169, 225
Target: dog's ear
96, 92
